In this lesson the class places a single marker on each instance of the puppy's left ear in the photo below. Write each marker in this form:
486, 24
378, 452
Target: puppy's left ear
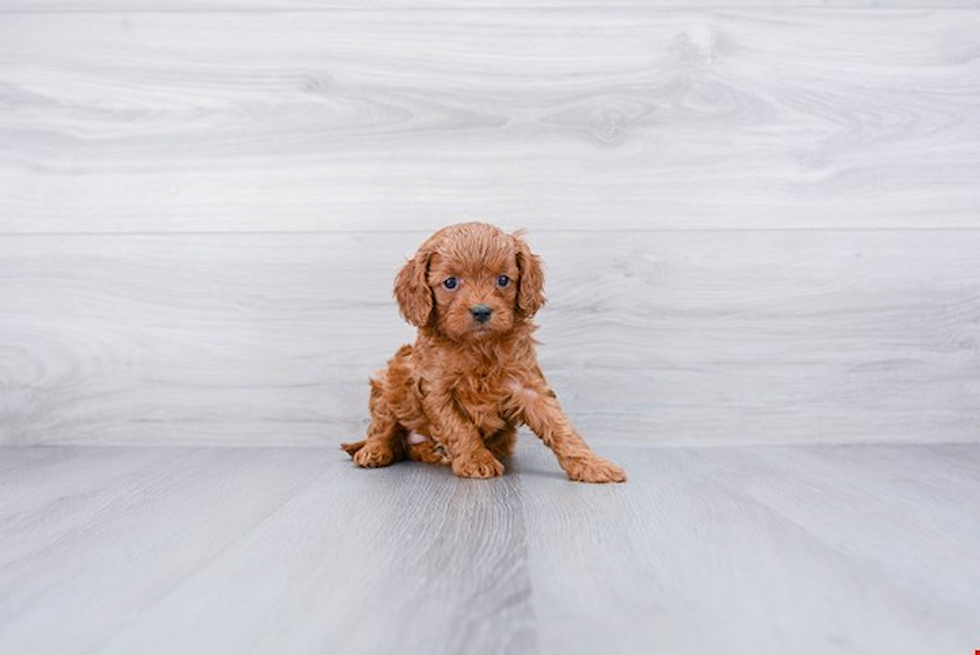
530, 286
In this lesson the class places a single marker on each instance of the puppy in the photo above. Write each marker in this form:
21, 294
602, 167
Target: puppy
458, 394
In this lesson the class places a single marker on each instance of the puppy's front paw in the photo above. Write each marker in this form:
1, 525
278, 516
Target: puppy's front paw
374, 454
593, 469
479, 464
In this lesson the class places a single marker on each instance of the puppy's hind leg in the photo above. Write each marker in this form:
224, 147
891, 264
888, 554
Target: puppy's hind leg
384, 444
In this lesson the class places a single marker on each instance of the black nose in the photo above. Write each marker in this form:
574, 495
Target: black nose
481, 313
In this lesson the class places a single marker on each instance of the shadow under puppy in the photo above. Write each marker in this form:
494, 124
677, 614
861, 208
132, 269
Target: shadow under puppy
458, 394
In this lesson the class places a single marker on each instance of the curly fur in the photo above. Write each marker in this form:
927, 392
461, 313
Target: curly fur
457, 395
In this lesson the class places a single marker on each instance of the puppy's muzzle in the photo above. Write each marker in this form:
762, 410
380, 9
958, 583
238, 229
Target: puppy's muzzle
480, 313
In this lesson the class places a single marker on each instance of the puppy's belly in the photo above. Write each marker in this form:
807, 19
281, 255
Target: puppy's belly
414, 438
423, 448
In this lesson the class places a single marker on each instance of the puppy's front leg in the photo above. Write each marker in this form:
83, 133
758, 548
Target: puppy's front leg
538, 407
470, 458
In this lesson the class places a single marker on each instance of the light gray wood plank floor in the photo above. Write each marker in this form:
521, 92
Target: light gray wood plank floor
822, 549
123, 6
760, 225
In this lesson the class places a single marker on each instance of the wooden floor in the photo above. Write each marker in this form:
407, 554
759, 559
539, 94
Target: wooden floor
763, 550
761, 226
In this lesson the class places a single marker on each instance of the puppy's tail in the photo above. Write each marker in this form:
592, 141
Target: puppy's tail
351, 448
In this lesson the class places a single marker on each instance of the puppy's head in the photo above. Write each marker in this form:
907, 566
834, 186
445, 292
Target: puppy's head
471, 281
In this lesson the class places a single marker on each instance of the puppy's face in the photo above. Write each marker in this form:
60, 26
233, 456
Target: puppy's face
475, 295
471, 281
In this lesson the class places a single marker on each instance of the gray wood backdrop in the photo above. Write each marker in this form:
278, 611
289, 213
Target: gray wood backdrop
761, 224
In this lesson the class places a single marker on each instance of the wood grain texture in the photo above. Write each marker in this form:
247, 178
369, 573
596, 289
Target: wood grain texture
287, 551
761, 227
656, 337
810, 550
312, 121
758, 550
123, 6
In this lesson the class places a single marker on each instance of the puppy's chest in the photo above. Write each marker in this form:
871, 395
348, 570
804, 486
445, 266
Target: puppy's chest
482, 398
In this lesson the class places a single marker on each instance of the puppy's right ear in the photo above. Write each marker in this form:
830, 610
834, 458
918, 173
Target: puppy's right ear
412, 290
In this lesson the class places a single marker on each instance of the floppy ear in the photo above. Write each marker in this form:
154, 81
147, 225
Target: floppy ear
530, 286
412, 290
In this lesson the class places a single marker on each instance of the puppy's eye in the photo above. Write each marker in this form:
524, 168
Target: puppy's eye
502, 281
450, 283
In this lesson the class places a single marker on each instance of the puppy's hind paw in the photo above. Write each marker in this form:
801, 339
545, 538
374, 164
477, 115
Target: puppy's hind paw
374, 454
352, 448
593, 469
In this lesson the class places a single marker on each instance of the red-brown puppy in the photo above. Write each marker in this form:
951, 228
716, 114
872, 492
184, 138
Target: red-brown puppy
457, 395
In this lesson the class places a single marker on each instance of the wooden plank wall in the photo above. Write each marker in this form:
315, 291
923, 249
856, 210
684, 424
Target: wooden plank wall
761, 224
